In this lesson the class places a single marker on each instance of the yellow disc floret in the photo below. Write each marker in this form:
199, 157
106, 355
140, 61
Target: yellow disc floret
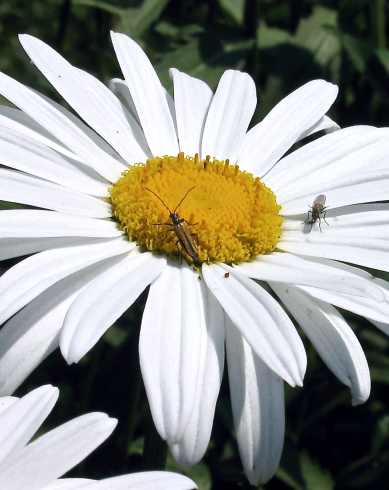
229, 215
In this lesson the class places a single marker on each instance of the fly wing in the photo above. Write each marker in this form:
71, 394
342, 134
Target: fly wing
319, 200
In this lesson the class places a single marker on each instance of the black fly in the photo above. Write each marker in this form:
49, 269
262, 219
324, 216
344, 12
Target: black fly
318, 207
179, 227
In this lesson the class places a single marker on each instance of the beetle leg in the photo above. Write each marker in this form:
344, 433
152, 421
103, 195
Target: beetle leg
191, 224
197, 238
167, 233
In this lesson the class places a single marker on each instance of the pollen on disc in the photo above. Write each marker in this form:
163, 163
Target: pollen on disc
231, 216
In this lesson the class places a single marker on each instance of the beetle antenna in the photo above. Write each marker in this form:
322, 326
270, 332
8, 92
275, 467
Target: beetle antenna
161, 199
178, 205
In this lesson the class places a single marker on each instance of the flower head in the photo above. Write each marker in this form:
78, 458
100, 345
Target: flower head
176, 194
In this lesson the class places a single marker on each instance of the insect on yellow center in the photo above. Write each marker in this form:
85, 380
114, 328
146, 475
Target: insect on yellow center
230, 215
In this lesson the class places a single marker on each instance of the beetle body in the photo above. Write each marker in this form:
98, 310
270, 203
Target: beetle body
317, 209
184, 238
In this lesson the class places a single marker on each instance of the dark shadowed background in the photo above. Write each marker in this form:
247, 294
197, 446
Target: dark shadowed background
281, 44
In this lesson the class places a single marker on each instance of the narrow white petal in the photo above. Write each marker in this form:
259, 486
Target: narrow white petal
97, 140
260, 319
229, 116
20, 122
291, 269
324, 123
360, 187
104, 300
334, 155
56, 452
148, 95
6, 402
376, 308
32, 157
61, 127
25, 189
356, 234
69, 484
33, 334
30, 223
16, 247
94, 102
26, 280
170, 349
194, 443
265, 144
120, 87
333, 339
147, 480
192, 98
20, 422
257, 397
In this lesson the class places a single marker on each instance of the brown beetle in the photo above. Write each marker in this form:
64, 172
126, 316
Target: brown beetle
318, 207
179, 227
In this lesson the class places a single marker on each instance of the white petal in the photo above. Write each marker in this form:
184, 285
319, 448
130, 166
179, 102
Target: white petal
26, 280
147, 480
148, 95
194, 443
6, 402
324, 123
97, 140
120, 87
61, 127
105, 300
94, 102
229, 115
333, 339
56, 452
16, 247
356, 234
20, 422
32, 157
358, 188
69, 484
260, 319
170, 349
290, 269
376, 308
265, 144
30, 223
25, 189
33, 334
192, 98
20, 122
257, 397
334, 155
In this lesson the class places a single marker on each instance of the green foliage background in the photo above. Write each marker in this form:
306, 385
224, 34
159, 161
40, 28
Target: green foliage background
282, 44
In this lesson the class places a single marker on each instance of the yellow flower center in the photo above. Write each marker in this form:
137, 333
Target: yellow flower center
230, 215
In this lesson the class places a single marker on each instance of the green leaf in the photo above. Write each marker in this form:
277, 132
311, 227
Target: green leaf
190, 59
316, 478
312, 33
234, 9
132, 21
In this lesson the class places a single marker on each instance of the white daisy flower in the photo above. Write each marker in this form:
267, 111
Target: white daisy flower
108, 197
39, 464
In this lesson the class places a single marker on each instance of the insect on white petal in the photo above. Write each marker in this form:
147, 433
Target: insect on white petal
317, 209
